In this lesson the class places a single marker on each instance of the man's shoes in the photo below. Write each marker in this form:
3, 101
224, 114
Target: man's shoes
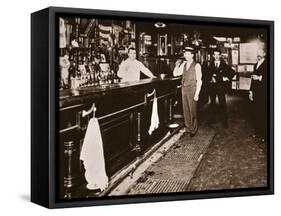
225, 125
262, 139
192, 134
211, 121
184, 134
259, 138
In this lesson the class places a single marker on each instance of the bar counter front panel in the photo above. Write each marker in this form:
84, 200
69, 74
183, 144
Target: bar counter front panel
124, 113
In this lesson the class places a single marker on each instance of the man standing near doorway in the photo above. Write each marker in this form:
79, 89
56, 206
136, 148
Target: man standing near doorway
258, 94
221, 74
191, 86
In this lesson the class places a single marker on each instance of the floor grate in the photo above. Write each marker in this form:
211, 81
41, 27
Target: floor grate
173, 172
159, 186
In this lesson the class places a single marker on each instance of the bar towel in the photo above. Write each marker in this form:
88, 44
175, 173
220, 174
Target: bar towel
154, 122
93, 157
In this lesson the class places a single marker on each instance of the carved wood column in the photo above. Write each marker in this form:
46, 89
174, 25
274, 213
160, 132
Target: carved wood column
68, 178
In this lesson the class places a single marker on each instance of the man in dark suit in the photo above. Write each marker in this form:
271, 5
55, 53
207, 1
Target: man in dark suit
220, 75
258, 94
204, 93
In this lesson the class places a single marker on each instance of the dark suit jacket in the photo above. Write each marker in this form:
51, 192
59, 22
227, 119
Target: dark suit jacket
259, 88
204, 94
223, 70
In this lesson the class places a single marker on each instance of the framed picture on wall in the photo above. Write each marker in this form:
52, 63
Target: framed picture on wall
108, 128
162, 45
248, 53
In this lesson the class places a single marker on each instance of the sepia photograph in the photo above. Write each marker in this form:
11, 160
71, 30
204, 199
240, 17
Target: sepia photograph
155, 107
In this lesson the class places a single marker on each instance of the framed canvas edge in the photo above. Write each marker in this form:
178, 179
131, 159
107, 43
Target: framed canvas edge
53, 203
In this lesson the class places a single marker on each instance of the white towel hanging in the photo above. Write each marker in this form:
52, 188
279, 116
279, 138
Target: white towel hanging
93, 156
154, 122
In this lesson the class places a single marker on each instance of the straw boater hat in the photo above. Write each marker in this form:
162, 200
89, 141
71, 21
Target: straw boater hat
189, 49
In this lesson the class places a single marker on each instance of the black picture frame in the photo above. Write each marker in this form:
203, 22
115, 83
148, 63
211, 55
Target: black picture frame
44, 106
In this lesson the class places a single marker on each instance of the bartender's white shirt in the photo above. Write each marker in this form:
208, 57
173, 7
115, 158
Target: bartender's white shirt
129, 70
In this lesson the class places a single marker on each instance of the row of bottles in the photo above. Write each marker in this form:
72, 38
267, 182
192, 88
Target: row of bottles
88, 75
94, 79
91, 50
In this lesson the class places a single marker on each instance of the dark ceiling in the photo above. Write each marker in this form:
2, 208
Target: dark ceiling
207, 32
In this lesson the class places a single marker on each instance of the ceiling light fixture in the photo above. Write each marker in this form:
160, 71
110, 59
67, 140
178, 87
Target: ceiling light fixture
160, 25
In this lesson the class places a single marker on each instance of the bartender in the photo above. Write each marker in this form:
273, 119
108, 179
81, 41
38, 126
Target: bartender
129, 69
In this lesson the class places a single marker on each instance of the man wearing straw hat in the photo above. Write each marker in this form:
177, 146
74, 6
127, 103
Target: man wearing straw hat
191, 86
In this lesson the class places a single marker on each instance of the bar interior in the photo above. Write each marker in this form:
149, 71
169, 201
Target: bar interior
90, 86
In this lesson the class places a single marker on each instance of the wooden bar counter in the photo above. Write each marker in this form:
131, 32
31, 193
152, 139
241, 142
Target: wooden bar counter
124, 112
